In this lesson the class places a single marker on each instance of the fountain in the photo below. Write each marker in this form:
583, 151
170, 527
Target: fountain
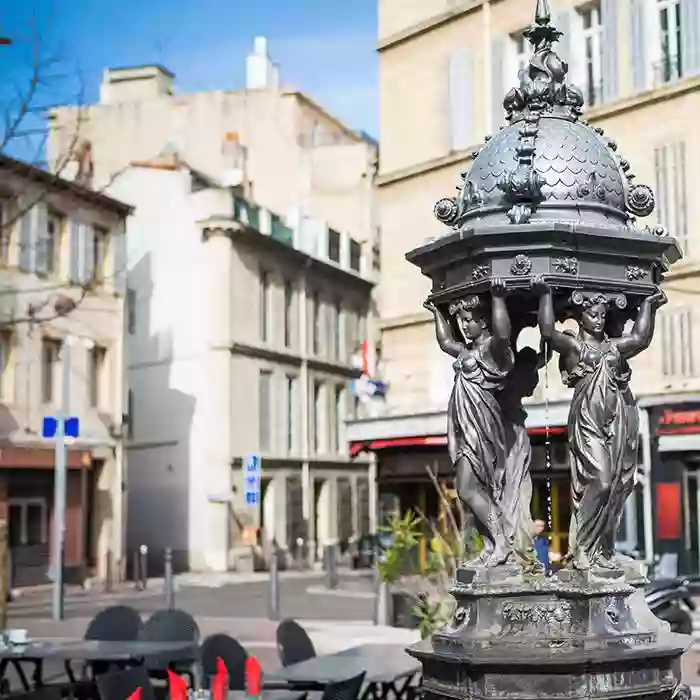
544, 228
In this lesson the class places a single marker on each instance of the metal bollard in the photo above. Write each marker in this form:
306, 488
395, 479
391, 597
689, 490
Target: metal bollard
169, 583
143, 554
274, 612
137, 575
109, 581
331, 566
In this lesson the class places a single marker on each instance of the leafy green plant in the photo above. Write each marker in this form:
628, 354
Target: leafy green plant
450, 541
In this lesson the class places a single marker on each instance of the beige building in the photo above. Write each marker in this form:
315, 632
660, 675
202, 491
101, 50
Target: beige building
62, 281
444, 69
251, 267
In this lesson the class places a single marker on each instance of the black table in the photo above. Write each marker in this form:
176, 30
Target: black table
388, 670
121, 654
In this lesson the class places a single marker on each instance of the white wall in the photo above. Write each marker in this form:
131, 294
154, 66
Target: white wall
168, 270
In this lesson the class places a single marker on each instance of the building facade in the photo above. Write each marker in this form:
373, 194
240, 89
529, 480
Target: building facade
63, 282
251, 267
638, 67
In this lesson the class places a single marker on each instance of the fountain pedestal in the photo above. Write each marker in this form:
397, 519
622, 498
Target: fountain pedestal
575, 635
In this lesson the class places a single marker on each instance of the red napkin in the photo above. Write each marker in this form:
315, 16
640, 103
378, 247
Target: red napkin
253, 676
219, 684
178, 687
136, 695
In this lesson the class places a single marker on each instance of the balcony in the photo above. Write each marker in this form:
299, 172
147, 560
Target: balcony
280, 232
246, 213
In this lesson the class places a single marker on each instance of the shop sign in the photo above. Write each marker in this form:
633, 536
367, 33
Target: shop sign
683, 419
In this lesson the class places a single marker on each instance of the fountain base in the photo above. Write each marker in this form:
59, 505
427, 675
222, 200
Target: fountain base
579, 634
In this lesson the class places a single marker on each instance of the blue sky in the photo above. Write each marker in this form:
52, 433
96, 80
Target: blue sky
324, 47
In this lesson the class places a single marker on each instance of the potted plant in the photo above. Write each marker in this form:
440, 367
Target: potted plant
417, 596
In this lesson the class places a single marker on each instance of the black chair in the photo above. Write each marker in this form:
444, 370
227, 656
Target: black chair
170, 626
119, 685
293, 643
118, 623
231, 653
344, 690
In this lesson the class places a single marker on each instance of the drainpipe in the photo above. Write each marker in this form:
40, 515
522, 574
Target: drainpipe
645, 438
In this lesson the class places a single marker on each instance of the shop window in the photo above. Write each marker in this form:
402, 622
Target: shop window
28, 522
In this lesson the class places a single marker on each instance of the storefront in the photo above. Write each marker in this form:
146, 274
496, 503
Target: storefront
26, 505
406, 447
675, 449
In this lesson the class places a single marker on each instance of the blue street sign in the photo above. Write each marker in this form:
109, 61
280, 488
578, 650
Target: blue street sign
251, 463
251, 480
49, 427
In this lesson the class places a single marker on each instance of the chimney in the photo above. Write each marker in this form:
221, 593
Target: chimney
261, 72
135, 84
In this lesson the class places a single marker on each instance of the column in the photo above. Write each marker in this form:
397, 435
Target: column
210, 445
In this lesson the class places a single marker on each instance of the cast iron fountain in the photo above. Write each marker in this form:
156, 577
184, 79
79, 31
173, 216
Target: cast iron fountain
544, 228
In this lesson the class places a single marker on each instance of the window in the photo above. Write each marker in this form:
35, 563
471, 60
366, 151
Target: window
130, 414
677, 347
28, 521
101, 247
97, 364
670, 67
292, 413
355, 255
5, 352
264, 412
333, 245
50, 350
339, 431
131, 310
52, 242
288, 313
5, 228
315, 323
593, 53
336, 330
264, 306
522, 51
672, 209
319, 414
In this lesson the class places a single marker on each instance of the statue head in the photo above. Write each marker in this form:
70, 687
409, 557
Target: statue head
594, 313
469, 313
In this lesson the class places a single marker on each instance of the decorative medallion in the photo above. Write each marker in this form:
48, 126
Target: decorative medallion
446, 210
461, 616
521, 265
640, 200
537, 613
634, 273
480, 271
565, 266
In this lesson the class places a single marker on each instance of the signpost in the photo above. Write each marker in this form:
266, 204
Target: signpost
61, 428
251, 480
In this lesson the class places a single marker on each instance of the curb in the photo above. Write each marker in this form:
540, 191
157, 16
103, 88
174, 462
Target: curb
340, 593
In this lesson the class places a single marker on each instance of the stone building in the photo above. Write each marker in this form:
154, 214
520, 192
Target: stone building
638, 66
251, 269
63, 280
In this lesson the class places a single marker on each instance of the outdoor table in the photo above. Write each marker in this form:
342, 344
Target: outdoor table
132, 653
388, 670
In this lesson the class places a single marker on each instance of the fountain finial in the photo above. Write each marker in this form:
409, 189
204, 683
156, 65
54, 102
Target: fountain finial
541, 34
542, 13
